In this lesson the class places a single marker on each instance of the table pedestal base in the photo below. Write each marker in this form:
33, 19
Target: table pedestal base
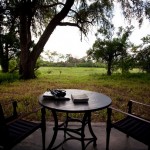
73, 133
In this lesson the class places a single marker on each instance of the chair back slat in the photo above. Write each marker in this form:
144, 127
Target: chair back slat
3, 128
15, 114
2, 118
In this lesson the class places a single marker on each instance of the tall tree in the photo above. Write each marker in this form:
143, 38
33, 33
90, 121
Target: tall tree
110, 49
9, 50
9, 42
143, 54
51, 55
33, 15
125, 60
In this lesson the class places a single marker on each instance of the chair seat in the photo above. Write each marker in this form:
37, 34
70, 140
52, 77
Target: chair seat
14, 129
136, 128
19, 130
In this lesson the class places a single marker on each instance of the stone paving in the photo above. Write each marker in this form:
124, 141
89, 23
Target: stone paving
118, 140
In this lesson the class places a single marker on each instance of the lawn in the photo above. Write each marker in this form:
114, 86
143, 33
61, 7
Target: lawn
120, 88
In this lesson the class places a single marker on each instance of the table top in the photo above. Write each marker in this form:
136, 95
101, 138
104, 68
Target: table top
97, 101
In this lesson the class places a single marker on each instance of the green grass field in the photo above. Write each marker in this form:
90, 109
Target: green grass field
120, 88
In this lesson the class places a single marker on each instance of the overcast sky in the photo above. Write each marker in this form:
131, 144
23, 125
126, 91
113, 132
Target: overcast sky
67, 40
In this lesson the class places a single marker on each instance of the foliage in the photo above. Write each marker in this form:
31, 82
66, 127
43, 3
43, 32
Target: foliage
13, 65
110, 49
8, 77
137, 9
9, 42
143, 54
126, 63
68, 61
51, 55
144, 59
9, 50
40, 18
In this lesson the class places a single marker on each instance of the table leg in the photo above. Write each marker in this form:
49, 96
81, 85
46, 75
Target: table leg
85, 117
91, 130
65, 125
87, 121
55, 130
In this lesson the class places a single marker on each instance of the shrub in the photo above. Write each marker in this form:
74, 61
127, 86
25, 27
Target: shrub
8, 77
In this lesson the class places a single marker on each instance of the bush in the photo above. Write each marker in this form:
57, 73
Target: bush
8, 77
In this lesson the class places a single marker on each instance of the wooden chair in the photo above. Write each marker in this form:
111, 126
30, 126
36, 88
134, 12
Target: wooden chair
131, 124
15, 128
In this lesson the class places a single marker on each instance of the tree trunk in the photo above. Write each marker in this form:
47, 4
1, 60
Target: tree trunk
109, 68
4, 65
27, 70
28, 58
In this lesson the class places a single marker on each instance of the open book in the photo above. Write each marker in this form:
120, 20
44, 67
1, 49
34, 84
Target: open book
82, 98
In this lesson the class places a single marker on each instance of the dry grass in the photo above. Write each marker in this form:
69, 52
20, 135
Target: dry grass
119, 88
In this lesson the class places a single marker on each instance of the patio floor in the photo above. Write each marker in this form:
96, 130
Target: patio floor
118, 140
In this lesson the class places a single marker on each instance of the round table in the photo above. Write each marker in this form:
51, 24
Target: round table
97, 101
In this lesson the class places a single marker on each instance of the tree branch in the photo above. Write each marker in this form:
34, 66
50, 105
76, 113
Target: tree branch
52, 5
51, 26
68, 24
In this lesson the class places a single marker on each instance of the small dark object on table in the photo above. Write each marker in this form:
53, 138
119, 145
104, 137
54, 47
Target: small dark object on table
58, 93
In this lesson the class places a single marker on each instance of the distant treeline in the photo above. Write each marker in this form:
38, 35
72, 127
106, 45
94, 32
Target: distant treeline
69, 64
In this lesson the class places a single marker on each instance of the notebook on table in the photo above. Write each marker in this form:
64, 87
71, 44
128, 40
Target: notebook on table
79, 98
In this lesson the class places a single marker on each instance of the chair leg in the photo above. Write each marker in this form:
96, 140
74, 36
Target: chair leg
108, 127
108, 130
43, 127
43, 138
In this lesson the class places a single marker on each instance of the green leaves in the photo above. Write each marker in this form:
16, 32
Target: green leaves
112, 50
